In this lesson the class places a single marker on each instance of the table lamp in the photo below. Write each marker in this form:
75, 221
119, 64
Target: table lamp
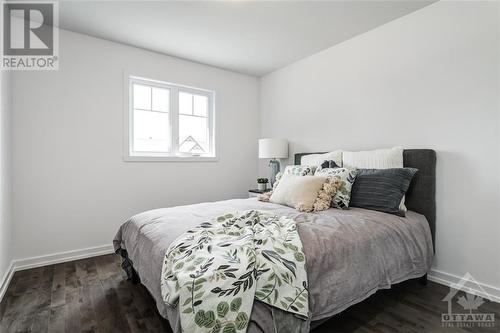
273, 149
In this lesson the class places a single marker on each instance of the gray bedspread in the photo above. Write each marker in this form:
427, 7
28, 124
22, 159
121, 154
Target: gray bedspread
350, 254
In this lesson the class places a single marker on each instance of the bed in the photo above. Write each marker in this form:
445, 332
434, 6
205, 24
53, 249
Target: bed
350, 254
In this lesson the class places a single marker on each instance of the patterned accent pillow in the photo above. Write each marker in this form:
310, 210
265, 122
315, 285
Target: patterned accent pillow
300, 170
343, 178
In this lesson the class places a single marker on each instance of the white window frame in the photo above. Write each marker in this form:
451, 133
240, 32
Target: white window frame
174, 155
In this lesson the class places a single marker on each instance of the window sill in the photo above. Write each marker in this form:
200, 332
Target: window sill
170, 158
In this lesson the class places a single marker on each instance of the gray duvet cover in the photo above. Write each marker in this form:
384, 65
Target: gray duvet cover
350, 254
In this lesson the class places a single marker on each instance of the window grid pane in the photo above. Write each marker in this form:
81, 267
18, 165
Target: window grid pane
160, 99
151, 131
185, 103
200, 105
151, 121
142, 97
193, 134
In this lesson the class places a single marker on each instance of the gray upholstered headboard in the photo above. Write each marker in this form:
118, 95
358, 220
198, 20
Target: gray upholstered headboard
421, 196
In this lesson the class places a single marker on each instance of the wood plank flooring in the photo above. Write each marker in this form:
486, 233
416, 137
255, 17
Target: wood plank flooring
92, 295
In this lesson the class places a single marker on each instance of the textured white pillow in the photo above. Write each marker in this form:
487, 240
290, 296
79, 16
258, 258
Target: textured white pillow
317, 159
298, 192
375, 159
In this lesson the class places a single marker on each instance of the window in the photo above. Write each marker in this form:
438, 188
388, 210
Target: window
168, 122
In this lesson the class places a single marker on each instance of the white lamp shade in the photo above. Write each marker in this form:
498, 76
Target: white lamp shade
273, 148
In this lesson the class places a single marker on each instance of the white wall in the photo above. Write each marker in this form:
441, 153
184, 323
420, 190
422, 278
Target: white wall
427, 80
5, 177
72, 188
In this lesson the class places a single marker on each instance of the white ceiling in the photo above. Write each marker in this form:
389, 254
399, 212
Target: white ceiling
251, 37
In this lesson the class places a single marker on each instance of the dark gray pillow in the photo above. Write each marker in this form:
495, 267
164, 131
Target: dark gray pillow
381, 189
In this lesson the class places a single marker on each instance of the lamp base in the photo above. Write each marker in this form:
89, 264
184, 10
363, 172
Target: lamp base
274, 168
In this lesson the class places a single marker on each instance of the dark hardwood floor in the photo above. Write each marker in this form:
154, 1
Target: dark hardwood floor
91, 295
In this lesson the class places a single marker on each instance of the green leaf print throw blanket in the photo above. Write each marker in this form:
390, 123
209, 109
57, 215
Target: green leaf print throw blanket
214, 271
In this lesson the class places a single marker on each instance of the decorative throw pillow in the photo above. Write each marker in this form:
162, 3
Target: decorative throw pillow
375, 159
325, 195
299, 192
265, 196
317, 159
381, 189
300, 170
328, 164
344, 178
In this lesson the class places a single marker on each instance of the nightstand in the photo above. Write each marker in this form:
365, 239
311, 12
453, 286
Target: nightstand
255, 192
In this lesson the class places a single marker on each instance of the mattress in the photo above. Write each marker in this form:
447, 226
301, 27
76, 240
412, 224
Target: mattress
350, 254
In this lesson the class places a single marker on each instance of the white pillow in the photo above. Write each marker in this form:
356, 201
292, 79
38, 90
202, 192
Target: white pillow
298, 192
375, 159
317, 159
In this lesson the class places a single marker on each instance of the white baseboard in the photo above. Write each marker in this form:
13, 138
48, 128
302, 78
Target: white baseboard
50, 259
447, 279
4, 283
55, 258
